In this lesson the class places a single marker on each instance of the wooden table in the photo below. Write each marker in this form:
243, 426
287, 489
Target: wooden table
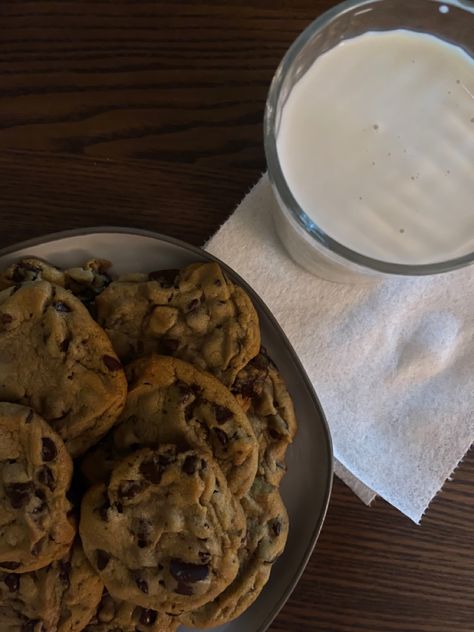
150, 115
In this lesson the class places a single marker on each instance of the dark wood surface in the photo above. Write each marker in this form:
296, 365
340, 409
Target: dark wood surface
150, 115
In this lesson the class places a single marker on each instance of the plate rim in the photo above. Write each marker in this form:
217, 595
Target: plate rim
124, 230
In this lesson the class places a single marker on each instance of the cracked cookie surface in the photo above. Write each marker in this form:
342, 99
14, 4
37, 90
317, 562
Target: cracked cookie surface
35, 475
196, 314
55, 358
165, 531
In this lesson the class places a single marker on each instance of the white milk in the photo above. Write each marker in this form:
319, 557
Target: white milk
377, 145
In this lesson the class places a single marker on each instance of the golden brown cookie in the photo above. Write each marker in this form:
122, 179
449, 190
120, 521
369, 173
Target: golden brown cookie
61, 597
172, 401
261, 390
267, 532
196, 314
165, 531
55, 358
113, 615
35, 475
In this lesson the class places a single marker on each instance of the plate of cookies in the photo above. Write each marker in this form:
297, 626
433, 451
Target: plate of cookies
164, 461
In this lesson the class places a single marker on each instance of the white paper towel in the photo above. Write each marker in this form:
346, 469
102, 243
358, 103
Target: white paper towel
391, 363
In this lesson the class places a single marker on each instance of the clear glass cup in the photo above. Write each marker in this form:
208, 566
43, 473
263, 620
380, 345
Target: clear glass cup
305, 241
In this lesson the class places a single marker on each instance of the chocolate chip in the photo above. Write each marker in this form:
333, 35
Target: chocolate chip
146, 616
188, 413
11, 566
187, 571
62, 307
19, 494
166, 459
104, 507
64, 572
30, 625
183, 589
64, 346
48, 449
6, 319
142, 534
142, 585
118, 507
221, 435
223, 414
36, 549
46, 477
152, 470
205, 557
166, 278
276, 527
218, 282
39, 493
129, 489
261, 361
29, 417
274, 434
18, 275
246, 388
12, 580
186, 393
169, 345
111, 363
190, 464
192, 304
102, 558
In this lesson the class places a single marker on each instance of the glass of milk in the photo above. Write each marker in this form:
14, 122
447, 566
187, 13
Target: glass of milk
369, 139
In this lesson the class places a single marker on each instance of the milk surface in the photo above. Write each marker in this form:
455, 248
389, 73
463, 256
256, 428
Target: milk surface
376, 142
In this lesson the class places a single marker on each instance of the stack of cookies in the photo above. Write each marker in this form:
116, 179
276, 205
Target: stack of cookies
144, 433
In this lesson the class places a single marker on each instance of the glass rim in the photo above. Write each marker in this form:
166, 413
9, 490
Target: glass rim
278, 179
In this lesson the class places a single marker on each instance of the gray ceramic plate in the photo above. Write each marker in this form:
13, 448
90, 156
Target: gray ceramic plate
307, 485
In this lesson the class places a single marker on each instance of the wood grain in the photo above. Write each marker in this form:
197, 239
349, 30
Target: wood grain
150, 115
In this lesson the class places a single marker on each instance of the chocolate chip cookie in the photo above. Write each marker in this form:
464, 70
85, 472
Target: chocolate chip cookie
61, 597
165, 531
267, 532
172, 401
196, 314
261, 390
85, 282
55, 358
114, 615
35, 474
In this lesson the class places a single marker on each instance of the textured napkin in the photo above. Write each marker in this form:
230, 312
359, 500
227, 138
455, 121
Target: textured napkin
392, 363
